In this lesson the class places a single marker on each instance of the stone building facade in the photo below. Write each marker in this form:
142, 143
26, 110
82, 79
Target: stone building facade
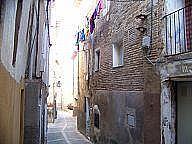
119, 84
24, 48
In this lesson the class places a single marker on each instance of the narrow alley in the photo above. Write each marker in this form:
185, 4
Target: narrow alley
64, 130
95, 71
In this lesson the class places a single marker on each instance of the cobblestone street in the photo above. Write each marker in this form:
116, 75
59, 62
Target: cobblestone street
64, 130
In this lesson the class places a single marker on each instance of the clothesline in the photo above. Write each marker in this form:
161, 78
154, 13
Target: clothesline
89, 26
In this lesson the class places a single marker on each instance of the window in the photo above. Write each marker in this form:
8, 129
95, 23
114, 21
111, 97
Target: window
130, 120
86, 64
17, 26
178, 27
2, 16
96, 117
96, 120
118, 53
97, 59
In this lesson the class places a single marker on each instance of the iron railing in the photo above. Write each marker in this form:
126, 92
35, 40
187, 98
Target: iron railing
178, 31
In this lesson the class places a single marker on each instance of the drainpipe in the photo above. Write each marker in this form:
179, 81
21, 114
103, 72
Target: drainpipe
73, 78
78, 71
151, 37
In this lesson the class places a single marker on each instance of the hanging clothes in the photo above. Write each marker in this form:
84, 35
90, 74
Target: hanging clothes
99, 7
77, 39
82, 35
96, 13
87, 27
92, 25
92, 21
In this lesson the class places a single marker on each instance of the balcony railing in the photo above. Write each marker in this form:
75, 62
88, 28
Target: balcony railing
178, 31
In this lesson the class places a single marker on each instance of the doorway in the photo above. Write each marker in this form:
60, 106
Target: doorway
21, 116
184, 112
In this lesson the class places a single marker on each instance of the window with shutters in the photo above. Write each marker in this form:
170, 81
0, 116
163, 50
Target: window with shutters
17, 26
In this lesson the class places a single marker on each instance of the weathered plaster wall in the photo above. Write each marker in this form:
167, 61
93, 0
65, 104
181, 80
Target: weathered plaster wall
11, 79
114, 107
10, 103
167, 125
32, 112
173, 68
43, 41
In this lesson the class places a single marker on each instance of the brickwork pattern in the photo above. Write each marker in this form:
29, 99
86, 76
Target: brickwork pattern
134, 85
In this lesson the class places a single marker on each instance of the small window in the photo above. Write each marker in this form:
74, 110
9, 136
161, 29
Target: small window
118, 53
131, 120
96, 120
96, 117
97, 59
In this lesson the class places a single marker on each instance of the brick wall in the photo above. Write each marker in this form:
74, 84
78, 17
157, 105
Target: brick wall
118, 78
83, 93
119, 90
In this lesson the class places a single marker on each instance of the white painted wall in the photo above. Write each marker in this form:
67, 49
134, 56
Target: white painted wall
8, 39
18, 71
45, 58
173, 5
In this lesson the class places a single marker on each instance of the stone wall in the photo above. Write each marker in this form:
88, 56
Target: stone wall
32, 112
114, 107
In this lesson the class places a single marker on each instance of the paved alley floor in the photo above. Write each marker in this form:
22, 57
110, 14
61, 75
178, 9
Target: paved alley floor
64, 130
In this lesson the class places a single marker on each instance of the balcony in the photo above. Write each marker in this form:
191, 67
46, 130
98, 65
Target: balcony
178, 31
